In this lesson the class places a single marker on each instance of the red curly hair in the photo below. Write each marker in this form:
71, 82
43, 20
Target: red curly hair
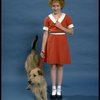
61, 2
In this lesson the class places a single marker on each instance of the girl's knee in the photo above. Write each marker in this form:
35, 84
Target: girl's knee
60, 67
53, 67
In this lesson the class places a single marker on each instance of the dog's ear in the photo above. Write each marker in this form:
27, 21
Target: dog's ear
40, 72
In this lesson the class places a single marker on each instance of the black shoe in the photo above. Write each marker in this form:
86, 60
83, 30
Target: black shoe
53, 97
59, 97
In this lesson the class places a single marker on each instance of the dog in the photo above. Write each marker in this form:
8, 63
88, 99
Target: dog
36, 80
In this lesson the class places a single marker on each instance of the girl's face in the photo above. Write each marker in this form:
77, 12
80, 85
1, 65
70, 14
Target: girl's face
56, 7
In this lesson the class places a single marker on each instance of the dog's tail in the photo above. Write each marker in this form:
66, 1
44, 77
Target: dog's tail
34, 42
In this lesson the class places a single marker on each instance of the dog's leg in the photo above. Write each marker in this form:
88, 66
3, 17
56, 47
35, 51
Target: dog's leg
44, 92
36, 91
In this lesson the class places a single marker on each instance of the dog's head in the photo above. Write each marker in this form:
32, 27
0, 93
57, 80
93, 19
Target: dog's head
35, 76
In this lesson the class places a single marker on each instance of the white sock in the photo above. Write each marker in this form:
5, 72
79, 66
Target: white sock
53, 90
59, 90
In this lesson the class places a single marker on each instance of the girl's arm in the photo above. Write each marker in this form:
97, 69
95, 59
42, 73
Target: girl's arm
70, 31
44, 41
45, 37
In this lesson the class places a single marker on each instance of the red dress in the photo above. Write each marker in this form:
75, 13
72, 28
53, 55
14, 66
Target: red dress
57, 49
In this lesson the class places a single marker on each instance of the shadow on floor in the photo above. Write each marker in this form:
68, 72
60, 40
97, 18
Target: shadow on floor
79, 97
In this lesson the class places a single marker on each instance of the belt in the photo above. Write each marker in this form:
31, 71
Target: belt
57, 33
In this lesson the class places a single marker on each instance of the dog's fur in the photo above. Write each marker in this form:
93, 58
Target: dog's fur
35, 75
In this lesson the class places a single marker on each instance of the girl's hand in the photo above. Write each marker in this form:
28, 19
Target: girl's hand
57, 24
42, 54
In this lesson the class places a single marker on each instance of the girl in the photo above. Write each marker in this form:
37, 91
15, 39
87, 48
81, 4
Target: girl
55, 48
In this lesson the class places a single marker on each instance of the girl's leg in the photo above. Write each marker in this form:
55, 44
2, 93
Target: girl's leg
60, 74
53, 74
60, 77
53, 78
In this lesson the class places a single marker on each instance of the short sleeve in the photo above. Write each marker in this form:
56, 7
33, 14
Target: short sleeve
46, 24
69, 22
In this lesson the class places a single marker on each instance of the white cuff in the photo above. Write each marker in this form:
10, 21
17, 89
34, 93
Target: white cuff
45, 28
70, 26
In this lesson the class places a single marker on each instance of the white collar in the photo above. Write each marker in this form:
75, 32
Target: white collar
59, 20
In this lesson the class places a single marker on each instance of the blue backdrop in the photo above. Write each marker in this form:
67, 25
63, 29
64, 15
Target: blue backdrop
22, 20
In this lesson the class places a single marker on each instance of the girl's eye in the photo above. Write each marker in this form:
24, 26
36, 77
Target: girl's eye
55, 6
58, 6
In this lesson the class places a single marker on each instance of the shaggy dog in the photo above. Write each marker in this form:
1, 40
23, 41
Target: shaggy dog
36, 80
